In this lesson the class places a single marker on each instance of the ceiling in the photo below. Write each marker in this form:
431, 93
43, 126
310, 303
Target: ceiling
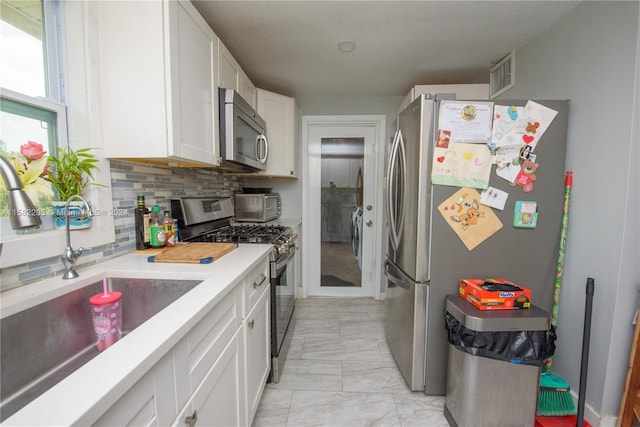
290, 47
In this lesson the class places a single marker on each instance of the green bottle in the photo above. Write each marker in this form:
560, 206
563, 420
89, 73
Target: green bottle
157, 229
142, 225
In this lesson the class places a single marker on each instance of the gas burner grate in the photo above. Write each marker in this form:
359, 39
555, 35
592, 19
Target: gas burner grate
247, 234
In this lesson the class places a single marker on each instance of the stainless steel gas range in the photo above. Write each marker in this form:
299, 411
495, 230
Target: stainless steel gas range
209, 219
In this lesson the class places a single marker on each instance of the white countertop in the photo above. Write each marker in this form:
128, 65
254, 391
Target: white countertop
92, 389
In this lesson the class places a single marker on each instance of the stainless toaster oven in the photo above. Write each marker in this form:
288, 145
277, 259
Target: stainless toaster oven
257, 207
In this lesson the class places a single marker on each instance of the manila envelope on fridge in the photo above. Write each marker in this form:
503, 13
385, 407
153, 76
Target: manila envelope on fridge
472, 222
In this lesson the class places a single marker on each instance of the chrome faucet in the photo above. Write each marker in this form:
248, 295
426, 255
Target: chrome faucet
70, 256
22, 214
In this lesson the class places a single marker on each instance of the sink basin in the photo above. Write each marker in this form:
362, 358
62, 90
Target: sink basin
44, 344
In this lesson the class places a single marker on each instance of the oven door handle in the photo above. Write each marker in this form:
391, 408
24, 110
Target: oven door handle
278, 265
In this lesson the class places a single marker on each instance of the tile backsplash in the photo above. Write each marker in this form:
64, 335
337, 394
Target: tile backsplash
129, 180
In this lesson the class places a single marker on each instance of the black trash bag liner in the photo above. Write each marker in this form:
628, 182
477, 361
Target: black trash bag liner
520, 347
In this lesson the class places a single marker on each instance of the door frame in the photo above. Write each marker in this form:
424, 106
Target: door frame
311, 189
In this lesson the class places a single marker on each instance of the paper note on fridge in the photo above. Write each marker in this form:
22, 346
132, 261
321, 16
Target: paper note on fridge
464, 121
472, 222
509, 126
461, 165
494, 197
537, 118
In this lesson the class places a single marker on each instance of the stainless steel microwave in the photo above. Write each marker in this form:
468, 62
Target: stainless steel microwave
257, 207
243, 140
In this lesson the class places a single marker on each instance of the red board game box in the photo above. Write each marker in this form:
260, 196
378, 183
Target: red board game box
495, 294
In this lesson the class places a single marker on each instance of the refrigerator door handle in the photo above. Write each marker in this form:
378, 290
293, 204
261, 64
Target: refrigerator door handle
391, 182
394, 279
403, 175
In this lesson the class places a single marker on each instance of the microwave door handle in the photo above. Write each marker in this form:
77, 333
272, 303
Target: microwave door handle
266, 148
262, 140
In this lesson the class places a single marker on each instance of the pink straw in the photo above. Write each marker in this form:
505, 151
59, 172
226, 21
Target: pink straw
104, 287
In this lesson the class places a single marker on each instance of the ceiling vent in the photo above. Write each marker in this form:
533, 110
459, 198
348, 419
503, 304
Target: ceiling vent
502, 76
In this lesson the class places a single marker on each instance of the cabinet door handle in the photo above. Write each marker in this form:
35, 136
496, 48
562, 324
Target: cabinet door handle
250, 324
190, 421
260, 281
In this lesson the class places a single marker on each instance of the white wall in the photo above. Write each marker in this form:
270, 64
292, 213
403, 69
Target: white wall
591, 57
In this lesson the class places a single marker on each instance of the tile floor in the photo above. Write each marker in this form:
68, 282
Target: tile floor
340, 372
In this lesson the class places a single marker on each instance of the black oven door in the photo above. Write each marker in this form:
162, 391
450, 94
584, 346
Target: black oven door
282, 300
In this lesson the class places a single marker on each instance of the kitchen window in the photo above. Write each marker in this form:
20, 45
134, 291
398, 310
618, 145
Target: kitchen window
60, 99
30, 81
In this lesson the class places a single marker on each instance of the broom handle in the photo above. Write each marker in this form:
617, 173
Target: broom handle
586, 334
568, 182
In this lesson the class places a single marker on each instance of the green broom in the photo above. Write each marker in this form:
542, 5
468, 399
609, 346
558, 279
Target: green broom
554, 396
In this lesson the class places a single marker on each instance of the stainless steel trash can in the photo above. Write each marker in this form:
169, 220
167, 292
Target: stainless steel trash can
482, 391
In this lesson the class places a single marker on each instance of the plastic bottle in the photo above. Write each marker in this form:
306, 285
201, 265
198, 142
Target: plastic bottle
169, 230
157, 228
141, 214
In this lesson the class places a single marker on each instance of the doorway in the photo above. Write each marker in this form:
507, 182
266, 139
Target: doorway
341, 195
342, 205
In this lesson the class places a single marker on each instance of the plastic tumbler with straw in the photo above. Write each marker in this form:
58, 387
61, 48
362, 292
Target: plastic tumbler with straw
106, 311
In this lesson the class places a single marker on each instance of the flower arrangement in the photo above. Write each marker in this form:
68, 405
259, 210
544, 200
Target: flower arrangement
69, 173
32, 167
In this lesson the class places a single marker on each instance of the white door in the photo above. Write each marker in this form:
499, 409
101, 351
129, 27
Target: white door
342, 205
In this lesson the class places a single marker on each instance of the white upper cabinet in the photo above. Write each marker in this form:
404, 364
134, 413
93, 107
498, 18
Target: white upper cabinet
461, 91
279, 112
231, 75
158, 66
248, 90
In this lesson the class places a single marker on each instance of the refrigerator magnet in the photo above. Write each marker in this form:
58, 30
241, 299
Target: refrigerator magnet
525, 214
526, 176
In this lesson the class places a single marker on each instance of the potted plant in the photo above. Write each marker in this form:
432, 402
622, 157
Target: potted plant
70, 172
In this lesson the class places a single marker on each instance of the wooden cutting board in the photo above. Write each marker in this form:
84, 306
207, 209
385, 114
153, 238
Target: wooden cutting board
193, 253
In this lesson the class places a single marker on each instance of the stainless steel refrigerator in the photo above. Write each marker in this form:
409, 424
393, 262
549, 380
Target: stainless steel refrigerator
425, 259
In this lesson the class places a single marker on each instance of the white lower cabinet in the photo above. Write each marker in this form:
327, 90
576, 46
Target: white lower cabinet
150, 402
209, 359
219, 399
258, 351
257, 338
216, 374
